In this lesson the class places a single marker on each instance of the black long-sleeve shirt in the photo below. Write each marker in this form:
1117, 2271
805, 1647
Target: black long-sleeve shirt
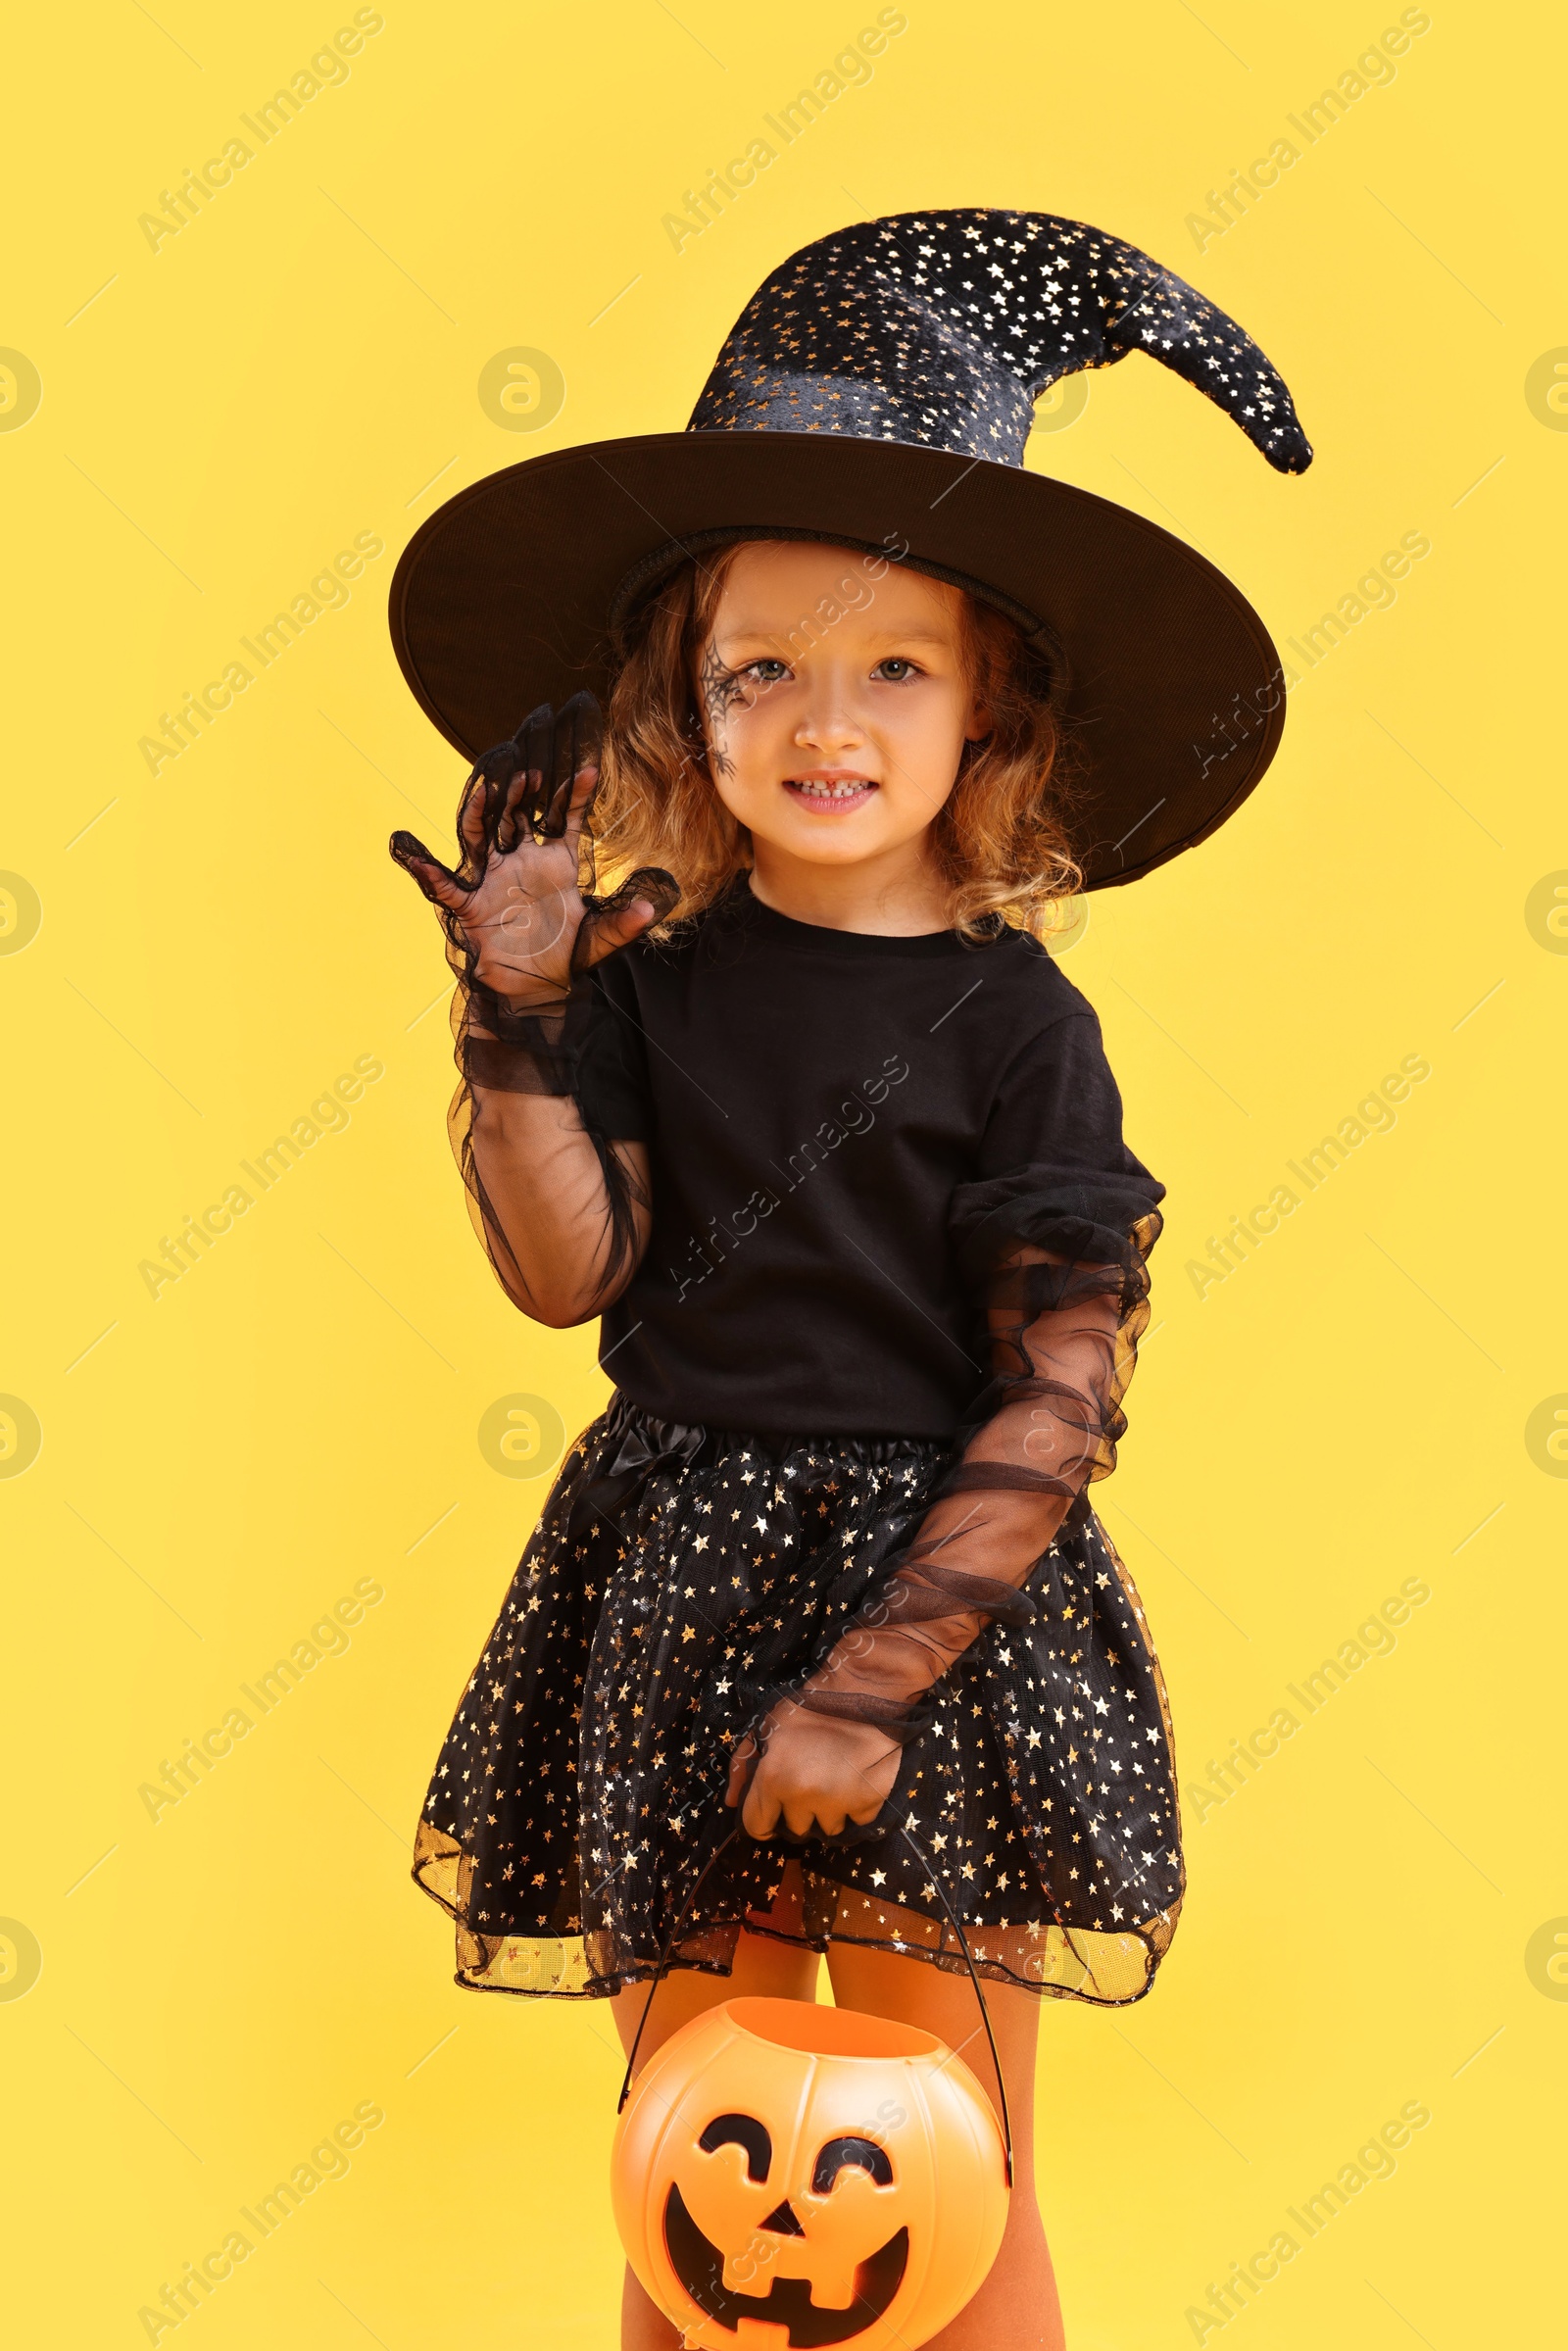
845, 1132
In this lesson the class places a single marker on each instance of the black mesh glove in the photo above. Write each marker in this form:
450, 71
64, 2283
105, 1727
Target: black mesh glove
522, 940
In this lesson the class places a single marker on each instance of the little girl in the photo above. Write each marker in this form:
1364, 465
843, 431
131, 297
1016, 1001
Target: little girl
802, 1112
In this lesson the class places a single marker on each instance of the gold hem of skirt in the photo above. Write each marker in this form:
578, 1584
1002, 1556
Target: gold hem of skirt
1104, 1968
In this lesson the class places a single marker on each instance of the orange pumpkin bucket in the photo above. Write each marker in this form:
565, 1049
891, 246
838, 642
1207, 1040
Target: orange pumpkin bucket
792, 2174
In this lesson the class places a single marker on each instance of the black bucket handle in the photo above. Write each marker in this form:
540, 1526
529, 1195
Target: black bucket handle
932, 1878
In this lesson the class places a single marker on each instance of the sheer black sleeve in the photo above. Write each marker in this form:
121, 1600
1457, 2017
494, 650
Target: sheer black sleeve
1056, 1248
568, 1037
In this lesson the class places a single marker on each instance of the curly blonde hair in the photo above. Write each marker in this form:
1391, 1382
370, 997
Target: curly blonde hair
999, 839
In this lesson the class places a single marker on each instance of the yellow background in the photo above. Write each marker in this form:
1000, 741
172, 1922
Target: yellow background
220, 1986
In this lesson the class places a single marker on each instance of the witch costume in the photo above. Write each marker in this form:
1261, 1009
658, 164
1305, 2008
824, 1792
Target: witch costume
886, 1174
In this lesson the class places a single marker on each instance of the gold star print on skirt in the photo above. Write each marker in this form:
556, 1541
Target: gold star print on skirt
677, 1579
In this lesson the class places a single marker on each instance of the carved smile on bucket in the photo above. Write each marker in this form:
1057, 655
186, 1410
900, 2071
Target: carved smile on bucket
789, 2301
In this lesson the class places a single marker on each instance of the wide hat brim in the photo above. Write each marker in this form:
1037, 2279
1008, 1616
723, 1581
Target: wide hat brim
1173, 693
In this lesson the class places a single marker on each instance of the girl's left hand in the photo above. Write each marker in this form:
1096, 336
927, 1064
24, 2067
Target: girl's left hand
815, 1773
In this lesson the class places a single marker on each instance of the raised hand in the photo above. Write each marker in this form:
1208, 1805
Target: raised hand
514, 907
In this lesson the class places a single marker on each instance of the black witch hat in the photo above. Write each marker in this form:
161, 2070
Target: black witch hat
877, 392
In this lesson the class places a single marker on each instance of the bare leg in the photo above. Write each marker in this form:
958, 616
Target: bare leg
1018, 2308
763, 1969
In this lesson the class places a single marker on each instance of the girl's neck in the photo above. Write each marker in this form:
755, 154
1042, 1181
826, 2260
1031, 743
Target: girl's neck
897, 896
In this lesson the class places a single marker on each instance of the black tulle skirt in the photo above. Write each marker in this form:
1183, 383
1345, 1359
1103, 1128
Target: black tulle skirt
678, 1576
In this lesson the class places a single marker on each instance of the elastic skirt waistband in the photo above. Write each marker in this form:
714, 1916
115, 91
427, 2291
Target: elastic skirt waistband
642, 1437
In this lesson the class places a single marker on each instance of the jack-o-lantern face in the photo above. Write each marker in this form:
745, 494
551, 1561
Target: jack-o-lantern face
823, 2176
808, 2262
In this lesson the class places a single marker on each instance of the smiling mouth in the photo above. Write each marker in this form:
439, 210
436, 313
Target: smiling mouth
830, 794
699, 2266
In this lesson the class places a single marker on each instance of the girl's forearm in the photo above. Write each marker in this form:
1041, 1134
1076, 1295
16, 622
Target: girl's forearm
550, 1225
1020, 1474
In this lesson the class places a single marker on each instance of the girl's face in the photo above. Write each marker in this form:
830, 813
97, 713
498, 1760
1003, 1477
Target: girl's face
834, 703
